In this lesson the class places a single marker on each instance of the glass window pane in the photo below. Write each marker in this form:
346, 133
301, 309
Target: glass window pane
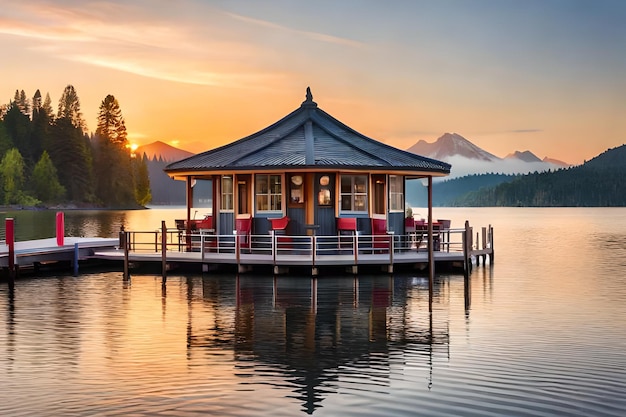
262, 202
360, 203
346, 202
346, 184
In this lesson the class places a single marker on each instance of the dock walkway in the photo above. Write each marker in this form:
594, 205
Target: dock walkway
455, 247
34, 252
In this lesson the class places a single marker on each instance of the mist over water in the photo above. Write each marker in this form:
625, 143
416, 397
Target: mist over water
544, 335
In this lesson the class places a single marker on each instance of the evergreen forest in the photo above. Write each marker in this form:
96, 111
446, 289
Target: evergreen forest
600, 182
49, 158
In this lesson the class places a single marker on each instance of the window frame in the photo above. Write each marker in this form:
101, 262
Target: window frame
354, 193
271, 197
397, 193
224, 194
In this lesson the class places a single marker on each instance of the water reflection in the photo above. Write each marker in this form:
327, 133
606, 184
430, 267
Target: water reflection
314, 333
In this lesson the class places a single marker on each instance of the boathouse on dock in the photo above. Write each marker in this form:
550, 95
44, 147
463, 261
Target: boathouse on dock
307, 174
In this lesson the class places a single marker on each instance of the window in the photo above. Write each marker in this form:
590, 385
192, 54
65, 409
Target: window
268, 192
396, 193
354, 193
227, 192
296, 193
202, 194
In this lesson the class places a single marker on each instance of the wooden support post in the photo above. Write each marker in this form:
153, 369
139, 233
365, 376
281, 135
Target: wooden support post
237, 248
76, 259
9, 227
491, 243
163, 251
467, 238
431, 254
124, 246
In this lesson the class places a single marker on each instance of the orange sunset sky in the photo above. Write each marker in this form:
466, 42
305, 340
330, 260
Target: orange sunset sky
542, 75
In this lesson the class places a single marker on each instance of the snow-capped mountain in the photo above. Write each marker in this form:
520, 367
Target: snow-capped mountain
467, 158
451, 144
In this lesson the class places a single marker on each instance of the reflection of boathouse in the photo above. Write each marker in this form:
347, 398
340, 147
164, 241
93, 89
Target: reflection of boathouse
308, 173
311, 334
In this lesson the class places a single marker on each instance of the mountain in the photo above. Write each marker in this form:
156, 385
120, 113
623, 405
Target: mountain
451, 144
556, 162
467, 158
164, 189
526, 156
161, 150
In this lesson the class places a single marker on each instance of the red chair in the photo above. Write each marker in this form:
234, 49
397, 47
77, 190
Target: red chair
279, 226
205, 224
380, 237
243, 227
345, 224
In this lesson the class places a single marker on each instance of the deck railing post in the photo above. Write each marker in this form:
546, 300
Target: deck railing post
273, 237
237, 249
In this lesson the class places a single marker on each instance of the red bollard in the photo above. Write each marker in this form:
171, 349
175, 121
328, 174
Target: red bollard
60, 228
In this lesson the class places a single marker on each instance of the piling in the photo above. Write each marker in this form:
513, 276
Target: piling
9, 227
163, 251
76, 259
124, 246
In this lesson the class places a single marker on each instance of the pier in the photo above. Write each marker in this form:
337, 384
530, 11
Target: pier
454, 248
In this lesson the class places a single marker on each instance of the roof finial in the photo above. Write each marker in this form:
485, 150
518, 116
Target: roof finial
309, 99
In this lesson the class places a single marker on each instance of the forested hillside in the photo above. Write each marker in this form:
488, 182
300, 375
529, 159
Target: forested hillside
48, 158
447, 191
600, 182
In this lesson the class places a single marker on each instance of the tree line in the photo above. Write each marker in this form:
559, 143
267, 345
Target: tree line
48, 158
600, 182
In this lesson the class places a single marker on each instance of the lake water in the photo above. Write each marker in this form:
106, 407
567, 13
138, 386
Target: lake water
545, 334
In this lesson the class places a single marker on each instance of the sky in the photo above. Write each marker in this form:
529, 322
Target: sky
547, 76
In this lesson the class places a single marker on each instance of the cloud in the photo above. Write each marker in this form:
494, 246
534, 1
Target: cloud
525, 131
113, 36
322, 37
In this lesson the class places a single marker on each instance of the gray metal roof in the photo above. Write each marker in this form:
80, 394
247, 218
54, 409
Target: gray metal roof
283, 145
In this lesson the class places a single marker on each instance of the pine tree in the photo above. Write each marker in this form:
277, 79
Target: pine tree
69, 108
69, 149
40, 126
114, 172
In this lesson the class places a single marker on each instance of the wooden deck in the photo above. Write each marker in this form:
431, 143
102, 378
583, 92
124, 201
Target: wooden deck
455, 247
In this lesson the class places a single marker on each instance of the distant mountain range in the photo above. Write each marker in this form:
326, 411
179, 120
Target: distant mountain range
467, 158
